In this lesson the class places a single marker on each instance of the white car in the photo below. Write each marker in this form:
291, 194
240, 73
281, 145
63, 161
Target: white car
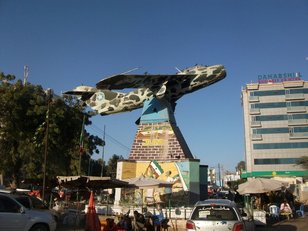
218, 215
15, 217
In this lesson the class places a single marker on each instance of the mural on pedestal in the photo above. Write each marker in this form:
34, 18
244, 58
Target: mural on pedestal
181, 174
178, 175
155, 136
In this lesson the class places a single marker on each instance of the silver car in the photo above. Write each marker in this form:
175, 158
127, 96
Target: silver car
15, 217
218, 215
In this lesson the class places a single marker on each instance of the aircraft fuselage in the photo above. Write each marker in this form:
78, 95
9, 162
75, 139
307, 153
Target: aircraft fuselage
168, 87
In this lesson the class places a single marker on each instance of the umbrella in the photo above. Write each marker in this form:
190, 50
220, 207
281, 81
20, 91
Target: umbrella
260, 185
92, 220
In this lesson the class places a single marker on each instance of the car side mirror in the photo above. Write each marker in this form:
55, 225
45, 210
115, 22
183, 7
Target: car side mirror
22, 209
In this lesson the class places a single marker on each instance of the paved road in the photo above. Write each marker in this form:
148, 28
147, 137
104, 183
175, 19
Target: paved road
298, 224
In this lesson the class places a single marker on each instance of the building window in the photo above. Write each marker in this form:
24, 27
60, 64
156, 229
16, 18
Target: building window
269, 105
279, 130
279, 92
271, 117
280, 117
280, 145
269, 161
280, 104
270, 130
267, 93
300, 129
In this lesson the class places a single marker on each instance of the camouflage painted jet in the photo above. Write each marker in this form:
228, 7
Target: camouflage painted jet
103, 100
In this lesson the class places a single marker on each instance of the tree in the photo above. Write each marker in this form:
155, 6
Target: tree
303, 161
23, 125
112, 165
6, 78
241, 166
96, 167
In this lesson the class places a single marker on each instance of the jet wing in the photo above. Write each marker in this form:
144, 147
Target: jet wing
137, 81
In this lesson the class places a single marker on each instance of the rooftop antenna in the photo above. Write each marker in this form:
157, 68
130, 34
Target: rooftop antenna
26, 74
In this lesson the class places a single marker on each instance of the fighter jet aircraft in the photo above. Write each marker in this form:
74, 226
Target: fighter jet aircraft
104, 100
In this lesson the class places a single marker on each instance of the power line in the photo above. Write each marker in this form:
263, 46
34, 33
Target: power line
109, 137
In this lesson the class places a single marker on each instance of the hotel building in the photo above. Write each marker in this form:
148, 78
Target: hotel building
275, 125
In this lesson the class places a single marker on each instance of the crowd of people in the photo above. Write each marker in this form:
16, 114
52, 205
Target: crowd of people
283, 199
138, 222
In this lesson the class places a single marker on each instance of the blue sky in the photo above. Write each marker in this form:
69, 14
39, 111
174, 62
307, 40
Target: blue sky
73, 42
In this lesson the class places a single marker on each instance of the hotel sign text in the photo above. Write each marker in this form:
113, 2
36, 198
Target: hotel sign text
277, 78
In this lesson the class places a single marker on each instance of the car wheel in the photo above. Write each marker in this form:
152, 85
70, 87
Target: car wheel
39, 227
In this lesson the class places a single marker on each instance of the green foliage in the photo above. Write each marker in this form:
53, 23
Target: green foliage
112, 165
241, 166
303, 161
6, 78
23, 127
96, 167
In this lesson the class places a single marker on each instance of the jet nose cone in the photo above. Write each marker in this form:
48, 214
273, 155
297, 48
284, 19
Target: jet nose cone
219, 70
218, 67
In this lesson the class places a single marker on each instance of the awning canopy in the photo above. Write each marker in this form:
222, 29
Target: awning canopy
91, 182
260, 185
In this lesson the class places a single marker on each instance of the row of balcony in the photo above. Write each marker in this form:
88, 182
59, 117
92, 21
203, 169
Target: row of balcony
290, 109
298, 122
297, 135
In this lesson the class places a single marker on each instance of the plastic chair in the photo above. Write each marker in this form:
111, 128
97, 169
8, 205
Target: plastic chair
274, 212
300, 212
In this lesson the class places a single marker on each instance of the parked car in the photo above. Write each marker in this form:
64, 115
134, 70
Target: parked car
30, 202
15, 216
218, 215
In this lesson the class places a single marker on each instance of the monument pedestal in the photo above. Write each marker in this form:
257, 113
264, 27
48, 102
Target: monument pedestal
160, 151
158, 137
159, 141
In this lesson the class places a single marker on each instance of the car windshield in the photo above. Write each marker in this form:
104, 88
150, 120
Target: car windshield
30, 202
24, 201
214, 213
37, 203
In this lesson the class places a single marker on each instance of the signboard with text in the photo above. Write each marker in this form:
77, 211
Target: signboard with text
278, 78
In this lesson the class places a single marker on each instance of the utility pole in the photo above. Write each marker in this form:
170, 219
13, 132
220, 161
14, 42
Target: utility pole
103, 152
49, 98
89, 165
219, 175
26, 74
81, 148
